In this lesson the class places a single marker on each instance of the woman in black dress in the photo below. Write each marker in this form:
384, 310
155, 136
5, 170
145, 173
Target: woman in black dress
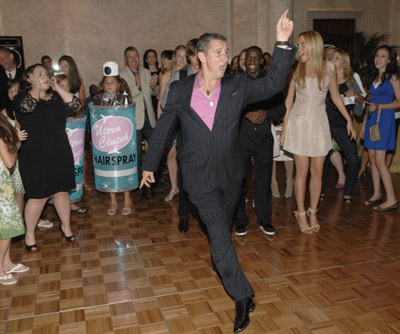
151, 63
46, 160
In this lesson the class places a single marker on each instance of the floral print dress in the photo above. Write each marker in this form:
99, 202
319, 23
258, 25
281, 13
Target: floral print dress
11, 224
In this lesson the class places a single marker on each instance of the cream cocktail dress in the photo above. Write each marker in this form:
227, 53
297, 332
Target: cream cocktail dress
307, 131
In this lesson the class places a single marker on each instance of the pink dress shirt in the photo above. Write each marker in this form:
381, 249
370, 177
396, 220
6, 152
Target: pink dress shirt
203, 106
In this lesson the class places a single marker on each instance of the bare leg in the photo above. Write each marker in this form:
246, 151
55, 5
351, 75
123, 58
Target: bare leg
289, 167
380, 163
389, 159
172, 164
32, 212
127, 198
112, 210
364, 162
302, 165
317, 167
127, 204
20, 198
7, 263
63, 208
376, 178
4, 246
337, 162
274, 182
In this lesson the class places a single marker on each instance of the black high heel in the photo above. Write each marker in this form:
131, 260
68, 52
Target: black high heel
32, 248
70, 239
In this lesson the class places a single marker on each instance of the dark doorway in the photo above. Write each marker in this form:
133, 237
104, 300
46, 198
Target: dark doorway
332, 30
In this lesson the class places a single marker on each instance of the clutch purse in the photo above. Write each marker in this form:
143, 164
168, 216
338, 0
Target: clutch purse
374, 131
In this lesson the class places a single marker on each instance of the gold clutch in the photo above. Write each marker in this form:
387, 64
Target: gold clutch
374, 131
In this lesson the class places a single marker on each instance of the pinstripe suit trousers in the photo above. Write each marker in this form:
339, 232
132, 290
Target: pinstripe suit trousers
216, 210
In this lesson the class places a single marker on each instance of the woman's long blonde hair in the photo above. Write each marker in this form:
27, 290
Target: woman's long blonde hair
172, 66
315, 50
347, 70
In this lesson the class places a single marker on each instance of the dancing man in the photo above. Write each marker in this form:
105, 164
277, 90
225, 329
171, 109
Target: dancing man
209, 107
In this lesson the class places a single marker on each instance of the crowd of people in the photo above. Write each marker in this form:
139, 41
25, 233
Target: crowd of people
211, 120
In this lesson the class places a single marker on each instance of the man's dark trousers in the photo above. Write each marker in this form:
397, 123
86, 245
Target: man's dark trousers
258, 145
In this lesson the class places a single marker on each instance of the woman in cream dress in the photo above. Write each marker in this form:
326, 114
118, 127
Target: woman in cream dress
306, 131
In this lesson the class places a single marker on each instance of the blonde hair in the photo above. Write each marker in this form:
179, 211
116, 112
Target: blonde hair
315, 50
172, 66
327, 49
347, 70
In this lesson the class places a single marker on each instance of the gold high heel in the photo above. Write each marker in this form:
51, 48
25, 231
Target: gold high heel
314, 228
306, 230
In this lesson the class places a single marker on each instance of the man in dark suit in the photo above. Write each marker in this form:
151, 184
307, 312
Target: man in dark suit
8, 71
209, 106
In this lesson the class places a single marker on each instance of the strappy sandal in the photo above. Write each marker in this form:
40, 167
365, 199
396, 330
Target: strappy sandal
45, 223
306, 230
126, 211
112, 211
314, 228
7, 280
19, 268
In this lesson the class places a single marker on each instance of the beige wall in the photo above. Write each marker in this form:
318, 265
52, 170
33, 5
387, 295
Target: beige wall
95, 31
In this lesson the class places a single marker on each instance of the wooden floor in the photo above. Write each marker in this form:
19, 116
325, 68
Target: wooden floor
138, 274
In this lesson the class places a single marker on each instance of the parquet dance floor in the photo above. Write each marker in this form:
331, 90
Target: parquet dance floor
138, 274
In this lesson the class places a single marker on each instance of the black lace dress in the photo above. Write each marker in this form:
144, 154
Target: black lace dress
45, 160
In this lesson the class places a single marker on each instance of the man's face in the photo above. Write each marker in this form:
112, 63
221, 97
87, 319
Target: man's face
47, 62
194, 61
253, 61
7, 61
132, 59
216, 58
93, 90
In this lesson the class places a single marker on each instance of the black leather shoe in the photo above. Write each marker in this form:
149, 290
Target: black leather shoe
183, 225
243, 308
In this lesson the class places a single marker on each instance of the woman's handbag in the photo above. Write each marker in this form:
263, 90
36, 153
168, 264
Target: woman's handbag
374, 131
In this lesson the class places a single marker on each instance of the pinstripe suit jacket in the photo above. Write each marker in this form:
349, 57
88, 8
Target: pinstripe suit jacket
211, 159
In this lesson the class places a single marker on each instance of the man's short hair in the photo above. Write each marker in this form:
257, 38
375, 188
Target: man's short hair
44, 58
6, 50
130, 48
191, 47
254, 47
10, 52
204, 41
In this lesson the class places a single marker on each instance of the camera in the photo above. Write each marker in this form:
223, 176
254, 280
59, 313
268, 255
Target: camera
110, 69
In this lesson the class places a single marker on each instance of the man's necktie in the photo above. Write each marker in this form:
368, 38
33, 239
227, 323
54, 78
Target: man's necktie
10, 76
